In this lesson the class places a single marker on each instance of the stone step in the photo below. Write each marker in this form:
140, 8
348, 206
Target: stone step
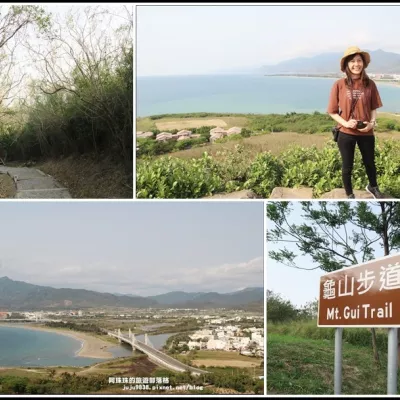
341, 194
32, 183
305, 193
240, 194
292, 193
58, 193
37, 183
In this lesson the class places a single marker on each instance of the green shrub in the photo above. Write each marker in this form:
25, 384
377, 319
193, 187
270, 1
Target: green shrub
235, 170
183, 144
175, 178
278, 309
245, 132
264, 174
199, 141
230, 138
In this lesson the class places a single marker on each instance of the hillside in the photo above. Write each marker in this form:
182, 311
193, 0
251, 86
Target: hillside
381, 62
18, 295
211, 299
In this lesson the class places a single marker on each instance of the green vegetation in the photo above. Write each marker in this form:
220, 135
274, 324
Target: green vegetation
151, 147
89, 380
169, 177
319, 237
76, 327
66, 384
7, 187
27, 296
171, 346
242, 380
302, 123
301, 361
309, 330
94, 117
256, 124
85, 109
301, 355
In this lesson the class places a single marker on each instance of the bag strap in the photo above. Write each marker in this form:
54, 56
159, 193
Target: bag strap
353, 103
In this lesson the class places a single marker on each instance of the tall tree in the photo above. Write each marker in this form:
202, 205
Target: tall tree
334, 235
17, 24
96, 49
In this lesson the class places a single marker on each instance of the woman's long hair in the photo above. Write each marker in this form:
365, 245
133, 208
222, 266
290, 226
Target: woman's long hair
364, 77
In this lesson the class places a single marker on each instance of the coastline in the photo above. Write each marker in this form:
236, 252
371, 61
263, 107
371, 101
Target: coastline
91, 347
377, 81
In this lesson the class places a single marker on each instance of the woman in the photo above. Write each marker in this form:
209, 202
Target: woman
352, 104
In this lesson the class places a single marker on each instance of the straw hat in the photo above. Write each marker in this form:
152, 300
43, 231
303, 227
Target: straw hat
354, 50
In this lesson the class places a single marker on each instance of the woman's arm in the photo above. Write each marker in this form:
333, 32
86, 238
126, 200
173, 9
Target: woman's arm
370, 124
373, 116
347, 124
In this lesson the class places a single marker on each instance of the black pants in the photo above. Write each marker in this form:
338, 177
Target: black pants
347, 145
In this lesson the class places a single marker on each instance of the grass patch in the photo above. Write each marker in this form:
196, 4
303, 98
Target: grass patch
145, 124
310, 330
168, 123
276, 143
90, 177
305, 130
22, 372
305, 366
7, 187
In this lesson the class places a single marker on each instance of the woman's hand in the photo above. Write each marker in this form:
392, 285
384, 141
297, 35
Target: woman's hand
351, 124
367, 128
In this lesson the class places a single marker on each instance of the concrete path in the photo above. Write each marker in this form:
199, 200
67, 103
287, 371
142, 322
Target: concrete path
32, 183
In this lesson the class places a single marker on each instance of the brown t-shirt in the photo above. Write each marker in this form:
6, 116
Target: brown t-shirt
340, 99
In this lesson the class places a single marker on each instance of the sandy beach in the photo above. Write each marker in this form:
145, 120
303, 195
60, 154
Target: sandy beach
92, 347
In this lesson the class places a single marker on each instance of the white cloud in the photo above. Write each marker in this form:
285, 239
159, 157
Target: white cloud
123, 279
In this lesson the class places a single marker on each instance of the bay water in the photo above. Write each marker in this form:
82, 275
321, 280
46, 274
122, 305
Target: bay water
31, 348
243, 94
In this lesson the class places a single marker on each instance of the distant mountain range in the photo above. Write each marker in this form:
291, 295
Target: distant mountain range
18, 295
381, 62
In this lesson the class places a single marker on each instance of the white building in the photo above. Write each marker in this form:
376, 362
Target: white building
164, 136
215, 344
234, 131
184, 133
193, 345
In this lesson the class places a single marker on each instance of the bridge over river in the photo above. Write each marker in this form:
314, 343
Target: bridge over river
157, 356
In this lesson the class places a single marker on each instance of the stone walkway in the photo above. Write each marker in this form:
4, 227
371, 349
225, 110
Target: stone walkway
32, 183
305, 193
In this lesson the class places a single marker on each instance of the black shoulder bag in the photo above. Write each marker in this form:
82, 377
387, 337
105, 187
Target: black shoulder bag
335, 129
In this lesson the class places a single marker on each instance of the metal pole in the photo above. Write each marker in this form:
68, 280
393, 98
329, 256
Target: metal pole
338, 360
392, 361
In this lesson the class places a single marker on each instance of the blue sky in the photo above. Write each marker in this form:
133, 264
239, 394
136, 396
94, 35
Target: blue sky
202, 39
142, 248
298, 286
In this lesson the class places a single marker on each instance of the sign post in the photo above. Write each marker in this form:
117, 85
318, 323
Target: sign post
338, 361
365, 295
392, 361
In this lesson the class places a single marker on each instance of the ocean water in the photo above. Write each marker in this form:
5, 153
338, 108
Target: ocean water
30, 348
242, 94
